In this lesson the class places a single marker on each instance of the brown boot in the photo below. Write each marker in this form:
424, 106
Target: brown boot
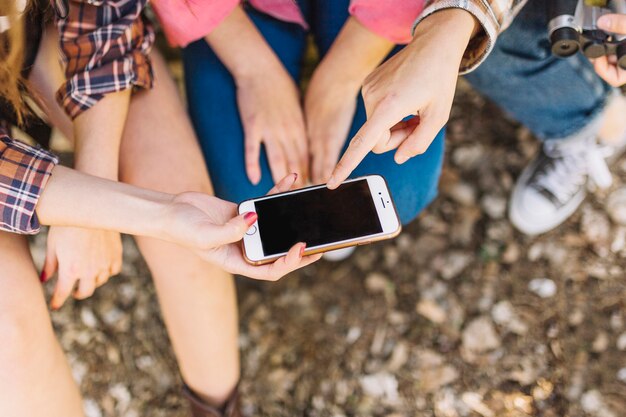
200, 409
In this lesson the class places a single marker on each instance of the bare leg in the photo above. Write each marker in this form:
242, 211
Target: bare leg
35, 379
159, 151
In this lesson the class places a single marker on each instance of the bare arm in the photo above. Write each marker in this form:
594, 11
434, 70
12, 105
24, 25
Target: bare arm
268, 99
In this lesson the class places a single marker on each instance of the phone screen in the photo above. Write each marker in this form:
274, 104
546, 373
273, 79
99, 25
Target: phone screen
317, 217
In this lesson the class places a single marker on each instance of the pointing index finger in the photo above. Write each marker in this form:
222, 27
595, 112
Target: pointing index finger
362, 143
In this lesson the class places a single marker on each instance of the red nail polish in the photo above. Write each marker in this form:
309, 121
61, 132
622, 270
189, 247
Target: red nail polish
43, 277
250, 218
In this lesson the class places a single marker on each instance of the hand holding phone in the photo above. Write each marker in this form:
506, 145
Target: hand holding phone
230, 256
360, 211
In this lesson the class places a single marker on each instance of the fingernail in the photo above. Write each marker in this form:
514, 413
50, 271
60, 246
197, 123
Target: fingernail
302, 248
331, 181
250, 217
295, 176
43, 277
401, 159
605, 21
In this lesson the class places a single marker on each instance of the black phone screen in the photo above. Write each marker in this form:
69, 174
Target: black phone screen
317, 217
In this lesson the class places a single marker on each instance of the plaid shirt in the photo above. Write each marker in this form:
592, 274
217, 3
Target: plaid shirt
494, 16
24, 172
105, 44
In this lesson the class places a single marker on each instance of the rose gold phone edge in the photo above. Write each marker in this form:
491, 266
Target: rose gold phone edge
366, 239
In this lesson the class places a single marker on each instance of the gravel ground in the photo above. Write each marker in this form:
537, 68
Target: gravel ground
459, 316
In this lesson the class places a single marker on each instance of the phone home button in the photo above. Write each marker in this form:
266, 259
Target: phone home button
252, 230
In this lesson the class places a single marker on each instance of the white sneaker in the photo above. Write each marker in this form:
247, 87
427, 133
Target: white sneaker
554, 184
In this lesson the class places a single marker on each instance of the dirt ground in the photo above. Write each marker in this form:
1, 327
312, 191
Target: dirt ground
459, 316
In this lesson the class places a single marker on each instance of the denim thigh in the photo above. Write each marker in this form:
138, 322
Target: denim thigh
555, 98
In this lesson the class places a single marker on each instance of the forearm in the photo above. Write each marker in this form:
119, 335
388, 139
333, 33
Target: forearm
241, 47
492, 17
98, 134
74, 199
449, 31
355, 53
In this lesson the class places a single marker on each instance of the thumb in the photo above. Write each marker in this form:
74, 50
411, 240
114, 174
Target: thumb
50, 266
233, 230
615, 23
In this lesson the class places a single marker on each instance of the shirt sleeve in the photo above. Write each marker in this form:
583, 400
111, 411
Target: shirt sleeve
391, 19
493, 15
184, 22
105, 46
24, 172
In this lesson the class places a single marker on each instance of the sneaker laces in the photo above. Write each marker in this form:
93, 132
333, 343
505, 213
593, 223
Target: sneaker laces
572, 163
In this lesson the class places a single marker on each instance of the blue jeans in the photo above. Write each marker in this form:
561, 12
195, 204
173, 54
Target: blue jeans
211, 96
555, 98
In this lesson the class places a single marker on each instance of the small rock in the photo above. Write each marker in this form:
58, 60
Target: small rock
463, 193
446, 404
431, 310
511, 254
432, 379
576, 318
503, 313
494, 206
376, 283
380, 385
616, 206
122, 397
542, 390
619, 240
595, 226
454, 264
593, 403
480, 336
621, 375
399, 357
468, 157
600, 343
91, 408
543, 287
475, 402
621, 341
353, 334
88, 318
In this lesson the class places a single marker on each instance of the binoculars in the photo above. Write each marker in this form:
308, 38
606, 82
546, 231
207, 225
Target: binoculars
574, 28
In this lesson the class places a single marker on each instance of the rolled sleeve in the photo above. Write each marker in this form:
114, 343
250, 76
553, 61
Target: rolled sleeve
493, 15
106, 46
390, 19
24, 173
186, 22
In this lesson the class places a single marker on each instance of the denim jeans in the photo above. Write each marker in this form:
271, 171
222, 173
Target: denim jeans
555, 98
211, 96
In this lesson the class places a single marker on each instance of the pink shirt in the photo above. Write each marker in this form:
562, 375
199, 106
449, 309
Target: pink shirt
187, 21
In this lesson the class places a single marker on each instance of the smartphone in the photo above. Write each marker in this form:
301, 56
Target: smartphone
358, 212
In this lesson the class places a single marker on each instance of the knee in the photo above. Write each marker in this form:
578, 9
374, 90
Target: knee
22, 332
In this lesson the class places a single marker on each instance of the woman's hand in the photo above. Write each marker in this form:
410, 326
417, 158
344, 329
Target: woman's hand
269, 105
329, 107
420, 79
84, 258
269, 101
331, 97
211, 228
606, 66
